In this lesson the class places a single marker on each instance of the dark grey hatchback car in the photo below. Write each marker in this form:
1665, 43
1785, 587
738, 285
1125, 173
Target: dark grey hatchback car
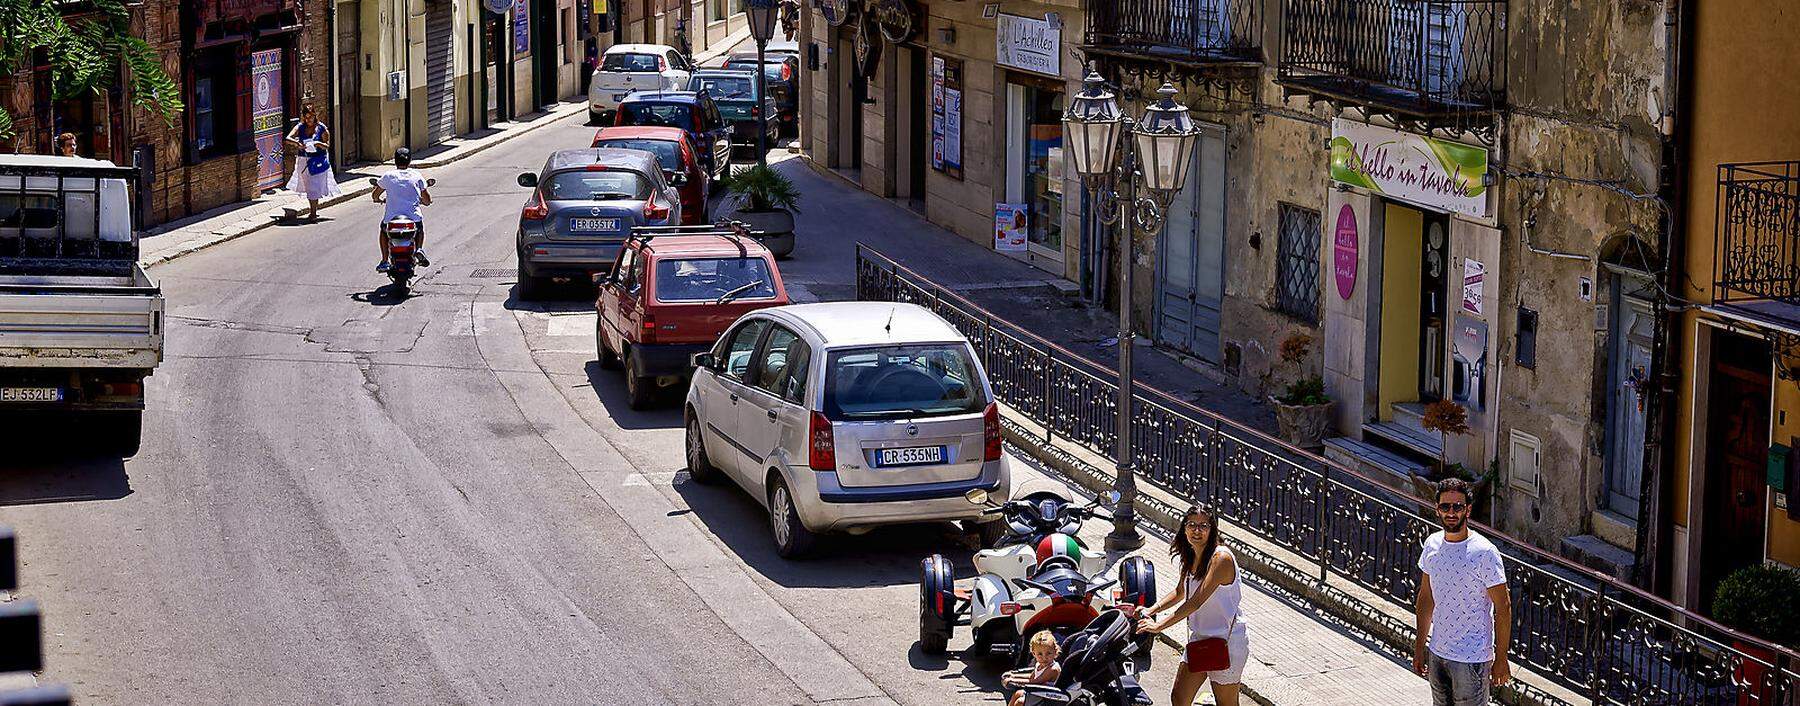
583, 205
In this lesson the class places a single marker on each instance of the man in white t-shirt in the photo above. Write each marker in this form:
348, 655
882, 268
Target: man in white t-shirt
1463, 611
404, 190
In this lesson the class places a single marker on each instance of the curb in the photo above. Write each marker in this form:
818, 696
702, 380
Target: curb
362, 187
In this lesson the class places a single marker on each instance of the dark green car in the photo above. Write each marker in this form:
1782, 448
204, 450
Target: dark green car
734, 91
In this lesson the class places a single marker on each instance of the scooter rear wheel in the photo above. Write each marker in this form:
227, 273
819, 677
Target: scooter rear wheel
937, 605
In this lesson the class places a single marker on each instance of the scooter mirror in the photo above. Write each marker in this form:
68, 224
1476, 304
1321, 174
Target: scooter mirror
977, 496
1112, 497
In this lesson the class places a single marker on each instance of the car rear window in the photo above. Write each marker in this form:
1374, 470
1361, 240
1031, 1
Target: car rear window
612, 185
725, 87
708, 279
679, 115
668, 154
902, 381
771, 69
629, 62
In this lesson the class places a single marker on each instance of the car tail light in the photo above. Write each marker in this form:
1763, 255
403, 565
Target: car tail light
755, 111
662, 64
655, 209
1009, 609
647, 329
821, 444
787, 72
990, 432
535, 209
121, 389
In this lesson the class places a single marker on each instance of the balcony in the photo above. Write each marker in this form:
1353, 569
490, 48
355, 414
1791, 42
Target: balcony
1191, 36
1434, 61
1757, 239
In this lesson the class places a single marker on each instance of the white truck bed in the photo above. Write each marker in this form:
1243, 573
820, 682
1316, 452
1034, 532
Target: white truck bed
80, 321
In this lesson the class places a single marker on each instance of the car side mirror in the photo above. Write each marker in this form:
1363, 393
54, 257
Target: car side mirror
706, 360
528, 179
677, 179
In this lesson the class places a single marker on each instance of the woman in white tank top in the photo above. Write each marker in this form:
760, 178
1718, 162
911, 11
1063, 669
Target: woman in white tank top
1208, 598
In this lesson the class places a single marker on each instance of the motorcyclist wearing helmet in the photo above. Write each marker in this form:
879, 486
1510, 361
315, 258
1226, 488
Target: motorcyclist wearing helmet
404, 190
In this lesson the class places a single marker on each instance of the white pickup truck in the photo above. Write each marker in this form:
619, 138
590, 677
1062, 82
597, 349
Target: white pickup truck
81, 324
628, 68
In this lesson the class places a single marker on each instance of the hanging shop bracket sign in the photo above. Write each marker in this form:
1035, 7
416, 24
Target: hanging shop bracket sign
836, 12
897, 20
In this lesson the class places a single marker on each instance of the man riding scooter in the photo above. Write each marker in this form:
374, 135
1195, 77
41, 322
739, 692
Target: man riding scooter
404, 190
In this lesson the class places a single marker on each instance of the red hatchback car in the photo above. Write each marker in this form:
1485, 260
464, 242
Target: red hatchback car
671, 296
676, 155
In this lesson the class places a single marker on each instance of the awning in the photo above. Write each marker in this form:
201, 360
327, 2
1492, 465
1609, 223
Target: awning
1780, 317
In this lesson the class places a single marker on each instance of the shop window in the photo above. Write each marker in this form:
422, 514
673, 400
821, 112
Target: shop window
1297, 273
214, 106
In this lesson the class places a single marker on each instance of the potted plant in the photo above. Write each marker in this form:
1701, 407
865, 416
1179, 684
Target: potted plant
1747, 601
1302, 410
1450, 419
765, 200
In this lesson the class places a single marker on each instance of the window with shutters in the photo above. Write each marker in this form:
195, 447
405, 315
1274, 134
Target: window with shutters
1297, 272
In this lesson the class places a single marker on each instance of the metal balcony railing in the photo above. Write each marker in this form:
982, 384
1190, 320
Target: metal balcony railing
1199, 31
1423, 58
1757, 233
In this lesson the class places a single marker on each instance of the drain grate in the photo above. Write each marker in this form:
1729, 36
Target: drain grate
493, 274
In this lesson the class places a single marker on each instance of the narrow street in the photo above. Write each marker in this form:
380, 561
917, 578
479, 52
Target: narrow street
440, 499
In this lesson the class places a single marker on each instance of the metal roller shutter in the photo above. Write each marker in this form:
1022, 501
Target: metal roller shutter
440, 81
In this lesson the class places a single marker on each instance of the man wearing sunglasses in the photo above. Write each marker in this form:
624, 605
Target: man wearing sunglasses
1463, 611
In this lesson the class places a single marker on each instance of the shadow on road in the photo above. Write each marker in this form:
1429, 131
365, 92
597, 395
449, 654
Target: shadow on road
609, 388
58, 466
553, 297
386, 295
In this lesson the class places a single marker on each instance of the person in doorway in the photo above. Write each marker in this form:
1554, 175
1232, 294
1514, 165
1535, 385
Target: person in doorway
1463, 610
65, 145
1044, 651
310, 139
1209, 598
404, 190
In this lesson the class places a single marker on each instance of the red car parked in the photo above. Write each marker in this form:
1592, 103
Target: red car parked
676, 155
672, 293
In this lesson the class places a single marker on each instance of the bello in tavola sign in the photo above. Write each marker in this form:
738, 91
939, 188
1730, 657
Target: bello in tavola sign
1424, 170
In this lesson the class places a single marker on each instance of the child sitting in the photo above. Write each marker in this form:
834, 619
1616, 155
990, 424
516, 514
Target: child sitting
1043, 649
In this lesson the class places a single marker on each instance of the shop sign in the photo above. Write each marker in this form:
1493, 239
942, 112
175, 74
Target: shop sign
499, 7
1344, 248
896, 19
1028, 44
1474, 288
521, 27
1012, 222
946, 116
1427, 171
836, 12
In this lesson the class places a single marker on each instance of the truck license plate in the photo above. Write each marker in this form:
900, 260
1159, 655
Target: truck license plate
30, 394
912, 456
594, 225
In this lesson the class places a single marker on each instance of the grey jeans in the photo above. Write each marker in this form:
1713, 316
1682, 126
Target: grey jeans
1457, 683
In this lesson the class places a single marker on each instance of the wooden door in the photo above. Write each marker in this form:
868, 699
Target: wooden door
1737, 452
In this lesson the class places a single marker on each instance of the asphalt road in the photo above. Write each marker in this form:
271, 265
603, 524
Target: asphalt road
349, 496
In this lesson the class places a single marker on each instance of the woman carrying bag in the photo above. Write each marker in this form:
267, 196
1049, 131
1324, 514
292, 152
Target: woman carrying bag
1208, 598
312, 170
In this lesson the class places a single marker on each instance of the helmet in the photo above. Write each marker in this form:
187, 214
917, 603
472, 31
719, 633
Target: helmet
402, 157
1058, 544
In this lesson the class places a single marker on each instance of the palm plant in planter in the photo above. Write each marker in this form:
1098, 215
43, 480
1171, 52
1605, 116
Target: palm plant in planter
766, 201
1302, 410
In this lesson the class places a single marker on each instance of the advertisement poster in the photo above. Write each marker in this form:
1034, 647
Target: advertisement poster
1028, 44
1424, 170
1344, 249
1012, 221
521, 27
1473, 287
946, 116
267, 117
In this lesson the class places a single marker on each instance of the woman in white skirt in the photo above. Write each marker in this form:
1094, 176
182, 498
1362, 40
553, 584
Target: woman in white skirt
1208, 598
312, 168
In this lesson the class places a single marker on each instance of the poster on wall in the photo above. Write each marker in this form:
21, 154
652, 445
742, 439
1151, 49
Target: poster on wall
1344, 250
1012, 221
1474, 285
946, 116
1424, 170
267, 117
1468, 353
521, 27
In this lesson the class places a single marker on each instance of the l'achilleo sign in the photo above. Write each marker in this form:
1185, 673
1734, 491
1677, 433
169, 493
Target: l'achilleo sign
1424, 170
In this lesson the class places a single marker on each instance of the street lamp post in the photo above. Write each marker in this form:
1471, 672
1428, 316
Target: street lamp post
1159, 153
763, 14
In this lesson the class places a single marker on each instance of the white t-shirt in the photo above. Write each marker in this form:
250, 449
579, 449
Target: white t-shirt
1462, 620
402, 188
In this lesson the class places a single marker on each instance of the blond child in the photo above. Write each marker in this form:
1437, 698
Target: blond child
1045, 651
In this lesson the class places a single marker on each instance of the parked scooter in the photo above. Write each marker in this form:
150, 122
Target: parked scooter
402, 244
1040, 577
1099, 667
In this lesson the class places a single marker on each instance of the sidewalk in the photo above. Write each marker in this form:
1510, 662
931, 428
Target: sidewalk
176, 238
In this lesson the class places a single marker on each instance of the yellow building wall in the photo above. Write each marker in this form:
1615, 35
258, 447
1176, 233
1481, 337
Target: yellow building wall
1740, 49
1401, 245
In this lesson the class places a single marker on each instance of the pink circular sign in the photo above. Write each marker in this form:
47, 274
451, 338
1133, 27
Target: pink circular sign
1343, 252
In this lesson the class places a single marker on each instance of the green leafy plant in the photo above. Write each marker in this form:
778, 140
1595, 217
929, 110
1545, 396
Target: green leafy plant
1305, 391
1759, 600
84, 54
761, 188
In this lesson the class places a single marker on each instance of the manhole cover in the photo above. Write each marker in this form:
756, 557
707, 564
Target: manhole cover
492, 273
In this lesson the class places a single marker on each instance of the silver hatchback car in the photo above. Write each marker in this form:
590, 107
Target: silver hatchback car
847, 415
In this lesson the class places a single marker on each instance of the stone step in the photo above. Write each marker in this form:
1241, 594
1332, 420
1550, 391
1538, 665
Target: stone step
1410, 438
1374, 461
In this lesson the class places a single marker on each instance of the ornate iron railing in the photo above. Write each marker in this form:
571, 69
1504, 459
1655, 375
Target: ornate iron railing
1418, 57
1192, 30
1758, 232
1587, 632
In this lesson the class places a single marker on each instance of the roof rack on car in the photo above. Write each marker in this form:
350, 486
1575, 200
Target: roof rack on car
735, 231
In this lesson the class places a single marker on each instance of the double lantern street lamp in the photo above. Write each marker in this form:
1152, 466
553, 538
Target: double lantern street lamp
762, 15
1159, 153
